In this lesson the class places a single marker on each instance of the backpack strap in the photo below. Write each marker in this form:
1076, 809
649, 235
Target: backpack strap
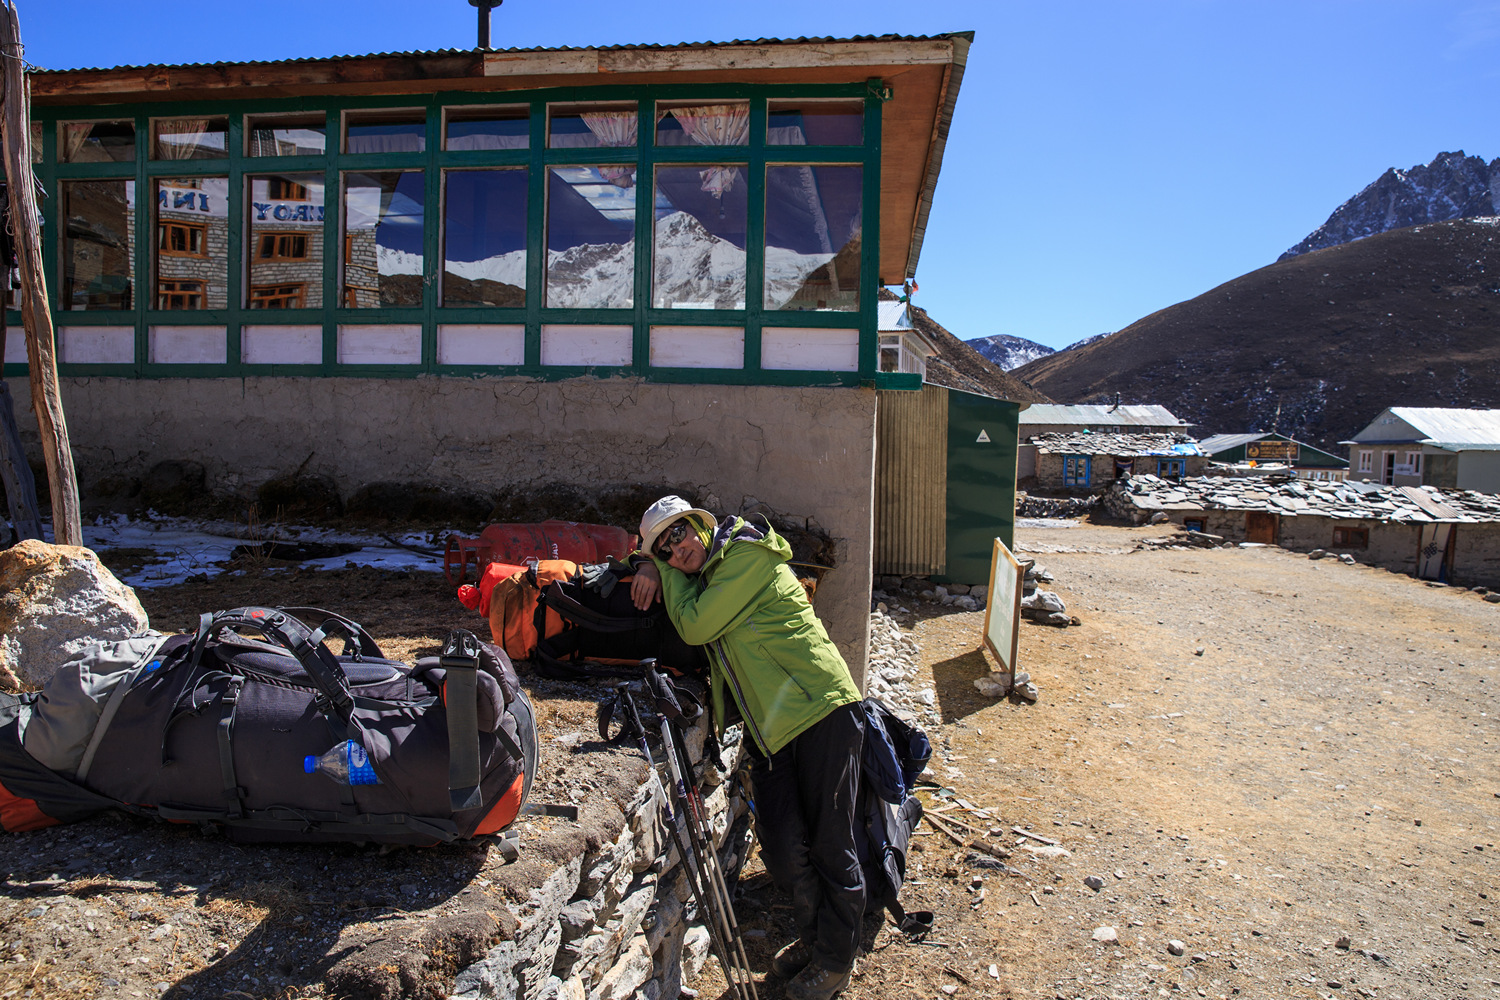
322, 667
460, 660
234, 795
554, 597
364, 643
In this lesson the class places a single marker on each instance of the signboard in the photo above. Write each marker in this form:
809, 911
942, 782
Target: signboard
1268, 451
1002, 612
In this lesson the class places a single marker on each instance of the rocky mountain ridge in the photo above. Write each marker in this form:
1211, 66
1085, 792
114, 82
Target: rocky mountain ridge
1452, 186
1008, 352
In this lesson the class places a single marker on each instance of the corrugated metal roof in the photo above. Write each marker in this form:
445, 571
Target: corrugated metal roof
1115, 444
648, 46
1455, 429
1086, 415
891, 316
1223, 442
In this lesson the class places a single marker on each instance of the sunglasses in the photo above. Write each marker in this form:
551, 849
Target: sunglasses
676, 533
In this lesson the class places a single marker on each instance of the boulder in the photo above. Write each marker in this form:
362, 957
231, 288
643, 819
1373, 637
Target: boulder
57, 600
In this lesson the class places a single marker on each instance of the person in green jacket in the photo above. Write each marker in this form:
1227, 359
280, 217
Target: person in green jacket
727, 586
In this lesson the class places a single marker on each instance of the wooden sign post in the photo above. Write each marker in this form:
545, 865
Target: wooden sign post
41, 352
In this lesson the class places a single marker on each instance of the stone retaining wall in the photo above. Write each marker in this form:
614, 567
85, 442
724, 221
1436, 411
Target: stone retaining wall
618, 921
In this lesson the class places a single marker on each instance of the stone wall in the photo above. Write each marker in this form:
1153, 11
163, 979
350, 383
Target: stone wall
806, 452
614, 923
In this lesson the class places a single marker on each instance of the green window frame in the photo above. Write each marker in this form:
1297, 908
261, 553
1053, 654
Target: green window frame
433, 161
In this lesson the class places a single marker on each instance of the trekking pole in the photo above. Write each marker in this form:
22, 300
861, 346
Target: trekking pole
692, 807
692, 861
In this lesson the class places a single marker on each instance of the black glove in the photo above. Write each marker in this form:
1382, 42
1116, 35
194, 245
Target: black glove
598, 576
672, 702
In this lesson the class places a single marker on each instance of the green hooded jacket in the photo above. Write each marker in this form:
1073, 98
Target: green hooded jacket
767, 648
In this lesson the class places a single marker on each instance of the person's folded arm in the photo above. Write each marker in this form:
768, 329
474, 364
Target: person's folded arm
722, 606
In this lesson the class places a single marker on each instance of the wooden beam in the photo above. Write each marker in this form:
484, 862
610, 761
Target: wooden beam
41, 355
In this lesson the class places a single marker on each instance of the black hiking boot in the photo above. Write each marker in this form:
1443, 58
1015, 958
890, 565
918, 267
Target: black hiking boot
792, 959
817, 983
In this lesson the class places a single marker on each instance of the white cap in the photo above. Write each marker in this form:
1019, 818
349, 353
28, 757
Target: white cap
660, 515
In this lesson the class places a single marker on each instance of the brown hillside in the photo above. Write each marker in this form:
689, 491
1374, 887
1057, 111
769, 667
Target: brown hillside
1326, 339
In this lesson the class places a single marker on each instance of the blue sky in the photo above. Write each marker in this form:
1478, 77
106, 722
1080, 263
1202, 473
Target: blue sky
1107, 159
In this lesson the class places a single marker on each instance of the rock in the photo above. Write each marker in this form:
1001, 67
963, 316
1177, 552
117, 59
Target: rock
1027, 692
1061, 620
1160, 517
1199, 651
979, 593
58, 600
1175, 947
625, 977
1094, 882
958, 589
1481, 591
1050, 851
1044, 600
1342, 943
1106, 935
1316, 554
1492, 598
989, 687
1347, 559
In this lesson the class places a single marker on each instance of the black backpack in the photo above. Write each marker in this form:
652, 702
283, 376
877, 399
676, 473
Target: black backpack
604, 634
224, 727
895, 753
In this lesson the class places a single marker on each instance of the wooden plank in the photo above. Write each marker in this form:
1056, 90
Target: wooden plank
46, 399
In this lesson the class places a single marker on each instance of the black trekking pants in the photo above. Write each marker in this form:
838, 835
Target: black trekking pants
805, 817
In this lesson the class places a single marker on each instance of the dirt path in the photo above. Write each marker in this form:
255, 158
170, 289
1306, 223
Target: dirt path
1287, 765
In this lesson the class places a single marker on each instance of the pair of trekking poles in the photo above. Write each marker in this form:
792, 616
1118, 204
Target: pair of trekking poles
689, 826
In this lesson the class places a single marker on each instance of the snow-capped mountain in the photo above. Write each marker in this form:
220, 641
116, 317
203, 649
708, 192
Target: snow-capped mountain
692, 268
1452, 186
1009, 352
1086, 341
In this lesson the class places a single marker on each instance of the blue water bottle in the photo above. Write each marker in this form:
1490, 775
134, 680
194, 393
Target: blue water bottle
346, 762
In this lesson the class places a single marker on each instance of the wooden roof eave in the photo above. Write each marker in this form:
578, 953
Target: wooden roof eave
923, 75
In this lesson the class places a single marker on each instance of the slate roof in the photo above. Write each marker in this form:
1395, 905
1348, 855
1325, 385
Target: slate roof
1104, 443
1083, 415
1307, 498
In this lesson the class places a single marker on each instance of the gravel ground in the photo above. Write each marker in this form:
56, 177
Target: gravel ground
1287, 767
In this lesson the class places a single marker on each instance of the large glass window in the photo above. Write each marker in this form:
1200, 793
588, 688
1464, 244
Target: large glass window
694, 123
385, 132
484, 237
698, 250
98, 266
96, 142
815, 123
191, 139
192, 242
284, 245
591, 237
488, 128
287, 135
813, 225
383, 215
609, 126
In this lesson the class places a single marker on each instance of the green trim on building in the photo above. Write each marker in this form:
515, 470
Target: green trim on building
335, 164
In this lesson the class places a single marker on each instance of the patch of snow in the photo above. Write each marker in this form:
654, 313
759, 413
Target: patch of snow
187, 547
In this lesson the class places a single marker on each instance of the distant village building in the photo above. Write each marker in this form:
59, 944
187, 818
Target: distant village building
1261, 450
1087, 447
1451, 536
1429, 446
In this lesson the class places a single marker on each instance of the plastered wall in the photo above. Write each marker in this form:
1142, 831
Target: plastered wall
807, 452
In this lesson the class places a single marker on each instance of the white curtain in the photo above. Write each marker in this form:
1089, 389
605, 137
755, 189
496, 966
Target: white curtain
615, 129
716, 125
180, 138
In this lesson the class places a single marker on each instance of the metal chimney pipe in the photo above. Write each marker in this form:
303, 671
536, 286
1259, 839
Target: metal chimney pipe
485, 6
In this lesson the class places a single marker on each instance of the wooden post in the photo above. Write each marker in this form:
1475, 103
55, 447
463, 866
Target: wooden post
41, 354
